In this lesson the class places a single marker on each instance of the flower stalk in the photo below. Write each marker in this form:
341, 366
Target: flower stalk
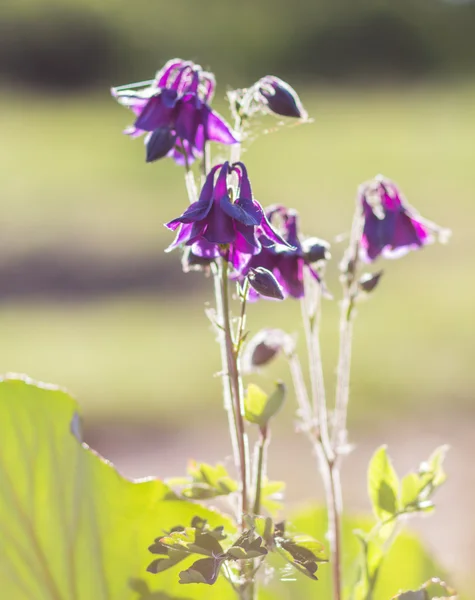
261, 451
349, 280
319, 429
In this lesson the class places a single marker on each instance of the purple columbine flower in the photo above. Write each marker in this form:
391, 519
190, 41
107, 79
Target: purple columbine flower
174, 111
226, 220
287, 263
391, 227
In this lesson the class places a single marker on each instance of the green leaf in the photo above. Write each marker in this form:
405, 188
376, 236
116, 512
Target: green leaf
205, 570
383, 485
417, 488
206, 482
432, 472
247, 546
410, 489
259, 407
71, 527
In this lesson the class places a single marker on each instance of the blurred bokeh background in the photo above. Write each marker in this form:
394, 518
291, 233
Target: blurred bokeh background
90, 301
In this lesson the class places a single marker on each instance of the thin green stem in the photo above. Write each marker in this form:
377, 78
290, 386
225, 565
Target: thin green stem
311, 310
242, 316
347, 310
227, 390
261, 450
318, 429
236, 388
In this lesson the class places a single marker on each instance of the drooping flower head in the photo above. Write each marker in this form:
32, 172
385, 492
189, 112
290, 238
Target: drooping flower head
391, 227
287, 263
174, 111
226, 220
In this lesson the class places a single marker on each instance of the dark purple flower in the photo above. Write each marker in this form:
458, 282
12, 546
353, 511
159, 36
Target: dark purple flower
221, 225
287, 263
280, 98
173, 110
391, 227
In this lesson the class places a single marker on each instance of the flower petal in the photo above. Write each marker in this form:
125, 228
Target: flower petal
188, 118
205, 249
216, 128
181, 237
236, 211
220, 228
271, 233
159, 143
158, 112
246, 239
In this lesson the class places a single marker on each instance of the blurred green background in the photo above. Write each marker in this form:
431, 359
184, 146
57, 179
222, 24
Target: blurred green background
91, 302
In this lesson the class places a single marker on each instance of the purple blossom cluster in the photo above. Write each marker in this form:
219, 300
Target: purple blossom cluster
174, 112
226, 220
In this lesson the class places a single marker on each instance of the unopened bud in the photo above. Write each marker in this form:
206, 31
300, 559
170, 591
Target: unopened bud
369, 281
281, 98
264, 347
159, 143
315, 250
265, 284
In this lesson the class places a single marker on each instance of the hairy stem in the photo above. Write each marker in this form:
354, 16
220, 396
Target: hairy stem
236, 388
261, 451
227, 390
318, 429
339, 433
349, 281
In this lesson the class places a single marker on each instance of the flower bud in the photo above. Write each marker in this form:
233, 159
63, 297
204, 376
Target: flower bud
265, 284
369, 281
159, 143
281, 98
264, 347
314, 250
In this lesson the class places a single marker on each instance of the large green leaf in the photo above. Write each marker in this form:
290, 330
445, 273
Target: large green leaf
71, 527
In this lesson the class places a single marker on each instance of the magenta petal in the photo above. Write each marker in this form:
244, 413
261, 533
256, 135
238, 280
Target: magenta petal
205, 249
271, 233
217, 130
187, 121
195, 212
182, 237
239, 260
405, 233
163, 75
154, 115
246, 240
221, 187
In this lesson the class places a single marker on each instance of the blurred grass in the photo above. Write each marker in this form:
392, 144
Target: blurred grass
71, 181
